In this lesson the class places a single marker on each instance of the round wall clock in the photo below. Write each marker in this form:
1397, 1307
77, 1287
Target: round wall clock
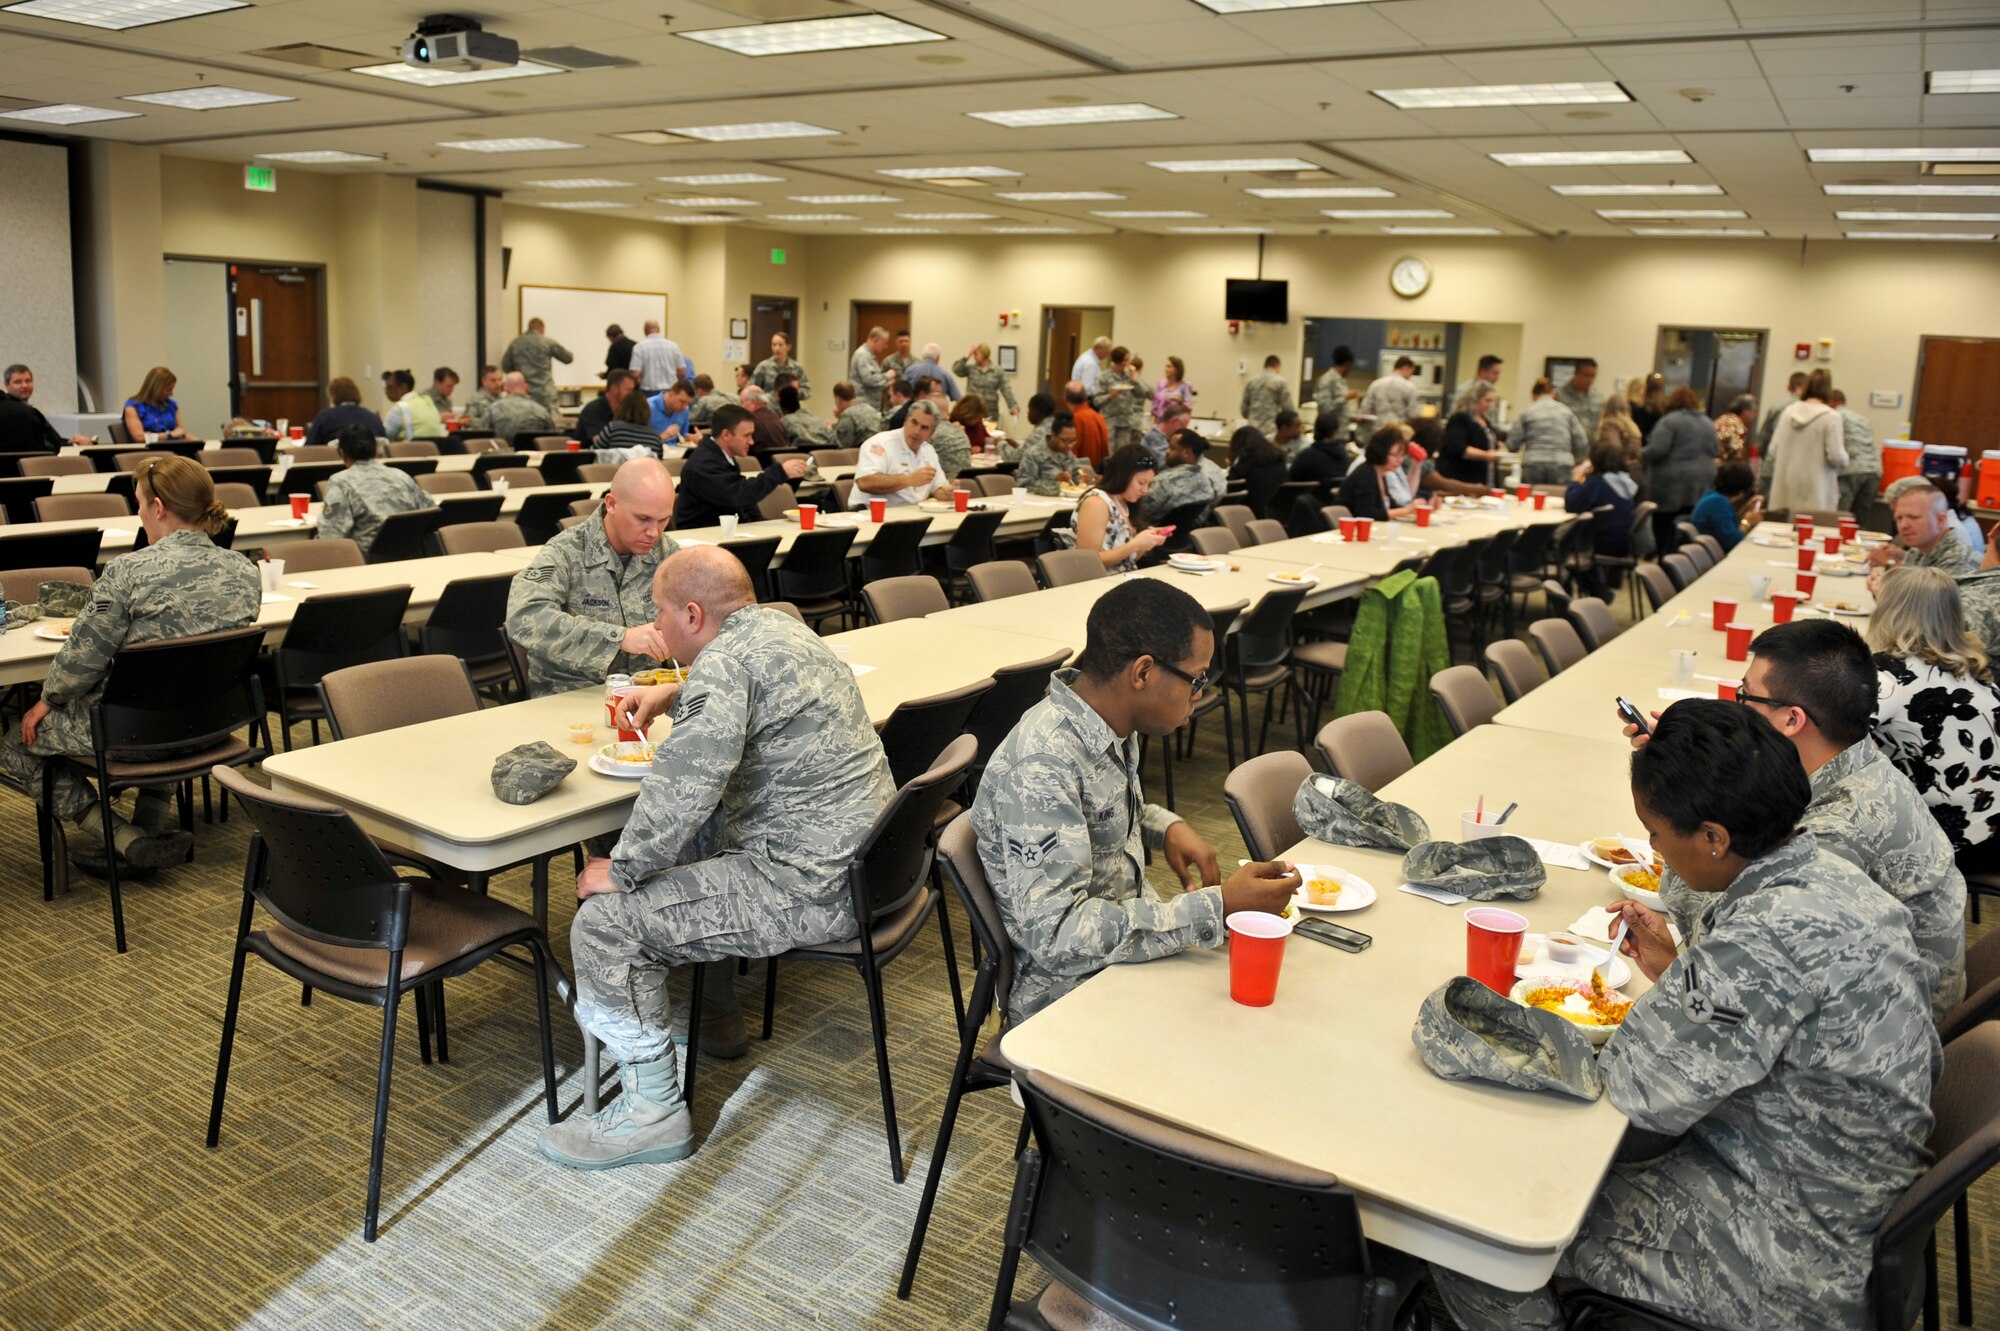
1410, 277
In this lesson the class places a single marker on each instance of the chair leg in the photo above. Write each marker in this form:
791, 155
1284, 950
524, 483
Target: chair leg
45, 829
770, 992
935, 1175
951, 962
1167, 766
878, 1020
207, 801
423, 997
541, 956
694, 1034
1961, 1241
1021, 1138
1229, 731
305, 995
437, 1012
111, 864
228, 1043
381, 1108
1026, 1173
1930, 1285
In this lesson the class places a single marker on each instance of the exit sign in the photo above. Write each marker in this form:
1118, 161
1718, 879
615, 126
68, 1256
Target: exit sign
777, 256
261, 178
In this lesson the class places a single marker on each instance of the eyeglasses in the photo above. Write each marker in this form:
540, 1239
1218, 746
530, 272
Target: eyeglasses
1197, 684
1744, 695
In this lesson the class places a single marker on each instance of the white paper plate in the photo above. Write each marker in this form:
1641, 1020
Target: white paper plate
1836, 610
55, 630
604, 763
1775, 542
291, 522
1356, 892
1619, 975
1590, 851
1188, 565
1282, 580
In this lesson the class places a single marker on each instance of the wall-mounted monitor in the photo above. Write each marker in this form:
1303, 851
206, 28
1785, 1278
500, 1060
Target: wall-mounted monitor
1250, 300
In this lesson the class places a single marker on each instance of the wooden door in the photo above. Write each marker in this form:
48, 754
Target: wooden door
280, 371
1953, 404
890, 315
1062, 343
768, 315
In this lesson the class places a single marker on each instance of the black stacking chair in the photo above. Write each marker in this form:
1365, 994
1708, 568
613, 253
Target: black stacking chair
895, 552
471, 508
972, 543
19, 493
410, 535
469, 621
756, 554
542, 511
814, 575
331, 631
52, 549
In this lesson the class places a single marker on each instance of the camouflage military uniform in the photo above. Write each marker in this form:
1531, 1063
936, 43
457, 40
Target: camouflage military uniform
808, 431
893, 367
1264, 397
1155, 442
765, 376
1175, 487
1792, 1047
570, 607
739, 842
989, 381
702, 410
534, 355
1587, 406
438, 400
870, 380
857, 424
1951, 554
1011, 451
1063, 828
476, 407
1040, 469
1866, 811
953, 448
1979, 593
1127, 412
1330, 396
1390, 399
181, 585
359, 497
1861, 479
513, 414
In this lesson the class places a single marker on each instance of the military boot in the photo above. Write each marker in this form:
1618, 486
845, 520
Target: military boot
648, 1124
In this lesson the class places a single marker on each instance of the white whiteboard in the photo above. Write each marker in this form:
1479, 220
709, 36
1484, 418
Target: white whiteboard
577, 318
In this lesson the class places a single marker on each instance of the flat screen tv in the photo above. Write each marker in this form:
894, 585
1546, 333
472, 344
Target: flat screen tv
1255, 301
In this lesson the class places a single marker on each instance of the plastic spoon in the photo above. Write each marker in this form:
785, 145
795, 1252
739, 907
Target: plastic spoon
1603, 968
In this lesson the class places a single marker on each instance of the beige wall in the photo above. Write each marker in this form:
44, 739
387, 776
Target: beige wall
122, 308
37, 306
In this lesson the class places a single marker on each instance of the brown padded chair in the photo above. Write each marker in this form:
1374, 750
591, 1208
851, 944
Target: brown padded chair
1465, 696
891, 599
314, 453
583, 508
1334, 515
1236, 517
1259, 794
229, 457
1560, 646
997, 484
1000, 578
1712, 547
1263, 531
448, 483
1365, 748
1698, 556
1215, 541
57, 466
67, 508
785, 608
517, 478
597, 473
1680, 569
465, 538
1593, 620
235, 495
774, 504
1060, 568
412, 448
132, 459
1659, 587
569, 520
22, 585
1515, 667
319, 553
552, 443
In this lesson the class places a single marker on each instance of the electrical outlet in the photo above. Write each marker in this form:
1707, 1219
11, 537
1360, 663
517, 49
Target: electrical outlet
1243, 367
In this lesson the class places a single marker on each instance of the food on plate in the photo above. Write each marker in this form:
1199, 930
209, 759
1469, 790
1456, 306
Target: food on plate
1586, 1005
1612, 849
1647, 880
634, 754
1323, 891
1841, 607
664, 675
59, 628
1287, 577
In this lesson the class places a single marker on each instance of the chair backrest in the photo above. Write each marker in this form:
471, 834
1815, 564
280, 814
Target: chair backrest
573, 520
18, 495
993, 988
551, 443
1264, 636
843, 492
785, 608
1236, 517
230, 457
306, 478
973, 541
464, 538
597, 473
1561, 648
1593, 620
1000, 578
257, 478
1658, 585
408, 535
540, 515
816, 565
1696, 554
476, 507
1333, 513
890, 867
1465, 696
1259, 794
320, 552
891, 599
919, 730
131, 459
774, 504
52, 549
448, 483
1557, 594
996, 483
56, 466
66, 508
896, 551
1265, 530
1982, 988
315, 453
23, 585
1711, 547
1060, 568
1680, 569
332, 630
1684, 533
583, 508
386, 695
469, 620
1515, 667
1158, 1226
755, 554
413, 448
1015, 689
179, 692
1365, 748
1215, 541
517, 478
235, 494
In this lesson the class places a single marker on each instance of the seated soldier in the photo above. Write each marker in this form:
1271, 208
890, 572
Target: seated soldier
365, 491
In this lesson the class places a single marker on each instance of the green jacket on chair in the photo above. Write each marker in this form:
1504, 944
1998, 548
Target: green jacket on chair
1398, 643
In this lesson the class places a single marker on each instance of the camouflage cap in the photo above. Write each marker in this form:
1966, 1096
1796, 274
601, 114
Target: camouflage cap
1335, 809
1483, 870
62, 599
527, 772
1467, 1032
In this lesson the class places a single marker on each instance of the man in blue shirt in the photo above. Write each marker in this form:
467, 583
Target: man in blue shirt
1091, 363
929, 368
670, 412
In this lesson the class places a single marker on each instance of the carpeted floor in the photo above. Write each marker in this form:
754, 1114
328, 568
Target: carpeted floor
114, 1215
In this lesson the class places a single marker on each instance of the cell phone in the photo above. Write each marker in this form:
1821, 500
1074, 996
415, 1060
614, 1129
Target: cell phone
1633, 717
1167, 530
1333, 935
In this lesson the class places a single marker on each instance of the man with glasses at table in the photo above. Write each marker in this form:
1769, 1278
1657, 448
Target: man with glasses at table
1063, 826
1814, 680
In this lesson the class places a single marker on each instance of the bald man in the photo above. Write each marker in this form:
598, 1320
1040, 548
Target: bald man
515, 413
737, 847
583, 608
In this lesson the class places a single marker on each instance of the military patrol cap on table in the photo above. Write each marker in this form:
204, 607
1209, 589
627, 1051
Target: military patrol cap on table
527, 772
1483, 870
62, 599
1335, 809
1467, 1032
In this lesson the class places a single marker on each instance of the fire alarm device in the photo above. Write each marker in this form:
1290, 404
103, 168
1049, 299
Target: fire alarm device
1803, 351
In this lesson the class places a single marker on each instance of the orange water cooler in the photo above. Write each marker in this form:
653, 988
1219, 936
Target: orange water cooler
1987, 483
1901, 458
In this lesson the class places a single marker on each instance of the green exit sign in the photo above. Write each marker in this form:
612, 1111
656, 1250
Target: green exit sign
777, 256
261, 178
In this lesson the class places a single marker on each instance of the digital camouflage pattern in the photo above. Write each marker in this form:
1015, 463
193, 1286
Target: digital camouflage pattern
870, 380
1128, 413
807, 430
953, 448
1330, 396
1040, 470
1550, 440
1062, 829
766, 373
1484, 870
1264, 396
1467, 1032
1392, 398
534, 355
513, 414
360, 496
1175, 487
1951, 554
988, 380
1346, 813
475, 408
62, 599
1791, 1050
527, 772
858, 423
570, 607
1011, 450
1588, 406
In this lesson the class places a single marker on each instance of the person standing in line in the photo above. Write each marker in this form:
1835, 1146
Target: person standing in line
1680, 463
1333, 397
1548, 437
896, 362
658, 361
1393, 398
1266, 394
1470, 448
1091, 364
533, 354
1649, 402
1732, 430
1581, 395
1121, 400
865, 375
1616, 427
1795, 388
619, 355
1861, 479
1488, 372
1804, 456
777, 364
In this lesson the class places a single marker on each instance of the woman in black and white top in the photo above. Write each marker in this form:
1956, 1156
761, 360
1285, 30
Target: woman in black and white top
1938, 714
630, 433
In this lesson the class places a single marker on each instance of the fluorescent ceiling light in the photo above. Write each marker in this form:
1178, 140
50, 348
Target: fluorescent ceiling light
904, 230
1606, 157
815, 34
1503, 94
1738, 232
724, 178
1962, 80
1260, 6
812, 217
1377, 214
1915, 191
1186, 166
947, 172
1324, 192
1919, 235
1029, 230
1125, 214
1631, 191
447, 78
947, 217
1903, 154
578, 203
321, 157
120, 14
523, 145
580, 182
1890, 215
211, 98
66, 113
652, 138
1441, 230
1220, 230
1669, 214
1059, 196
762, 129
1039, 116
709, 201
691, 219
844, 198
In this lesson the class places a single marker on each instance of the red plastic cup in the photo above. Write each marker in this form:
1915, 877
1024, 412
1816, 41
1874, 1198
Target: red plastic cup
1347, 530
1256, 951
1806, 557
878, 510
298, 432
1849, 529
611, 703
1521, 492
575, 446
300, 503
1423, 515
1498, 494
1831, 545
1493, 945
1804, 528
1782, 605
1739, 641
959, 499
1364, 528
1541, 501
1726, 689
1724, 611
808, 514
1807, 581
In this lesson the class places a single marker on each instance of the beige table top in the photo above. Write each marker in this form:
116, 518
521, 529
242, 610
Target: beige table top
1020, 514
1489, 1181
1392, 542
914, 658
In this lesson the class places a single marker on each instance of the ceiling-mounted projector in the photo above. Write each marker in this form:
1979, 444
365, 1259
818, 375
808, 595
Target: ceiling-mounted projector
446, 41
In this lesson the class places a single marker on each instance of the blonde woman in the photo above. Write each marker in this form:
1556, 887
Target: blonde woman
1616, 427
1937, 715
152, 410
983, 377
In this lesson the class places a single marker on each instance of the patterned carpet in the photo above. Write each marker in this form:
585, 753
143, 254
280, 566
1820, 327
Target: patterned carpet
115, 1215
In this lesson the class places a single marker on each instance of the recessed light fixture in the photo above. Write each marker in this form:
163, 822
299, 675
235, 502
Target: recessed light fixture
815, 34
1059, 196
578, 203
709, 201
1324, 192
947, 217
1919, 235
1903, 154
1670, 214
1189, 165
1891, 215
1029, 230
1502, 94
724, 178
213, 97
1632, 191
652, 138
120, 14
1915, 191
1962, 80
521, 145
1441, 230
947, 172
320, 157
761, 129
1220, 230
695, 219
1039, 116
66, 113
580, 182
844, 198
955, 182
812, 217
1604, 157
1261, 6
1377, 214
904, 230
1711, 232
448, 78
1134, 214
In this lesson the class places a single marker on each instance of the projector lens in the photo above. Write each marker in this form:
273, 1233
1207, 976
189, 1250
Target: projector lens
423, 50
